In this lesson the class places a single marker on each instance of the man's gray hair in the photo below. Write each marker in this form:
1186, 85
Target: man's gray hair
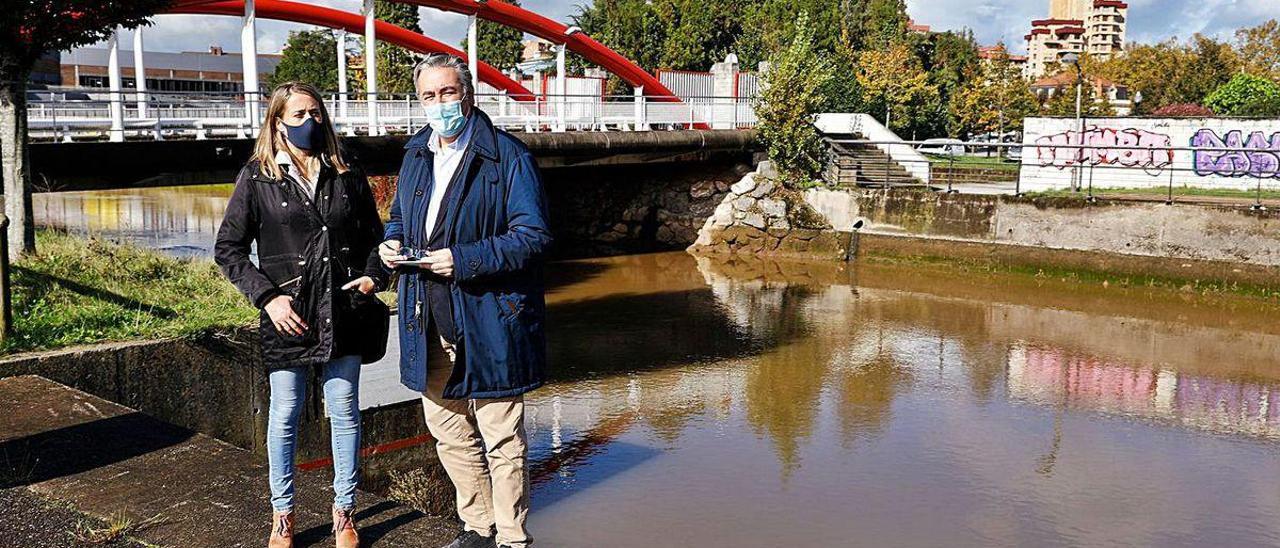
444, 60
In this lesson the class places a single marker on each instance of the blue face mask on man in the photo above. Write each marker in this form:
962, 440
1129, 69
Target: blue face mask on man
446, 118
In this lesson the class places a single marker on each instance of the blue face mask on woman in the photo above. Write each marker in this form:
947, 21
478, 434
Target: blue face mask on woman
307, 136
446, 118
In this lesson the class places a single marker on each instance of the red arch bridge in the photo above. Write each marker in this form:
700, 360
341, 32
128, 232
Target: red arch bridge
720, 99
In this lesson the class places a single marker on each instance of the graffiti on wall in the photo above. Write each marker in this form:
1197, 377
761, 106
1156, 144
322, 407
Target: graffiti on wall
1128, 147
1259, 158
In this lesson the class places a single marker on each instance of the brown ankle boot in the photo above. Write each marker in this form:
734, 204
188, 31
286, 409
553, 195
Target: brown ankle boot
344, 529
281, 530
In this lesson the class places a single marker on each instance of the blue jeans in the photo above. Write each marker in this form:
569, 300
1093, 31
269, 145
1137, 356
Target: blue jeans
342, 398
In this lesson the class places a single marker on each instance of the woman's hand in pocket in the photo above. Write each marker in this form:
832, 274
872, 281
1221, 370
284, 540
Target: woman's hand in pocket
363, 284
280, 309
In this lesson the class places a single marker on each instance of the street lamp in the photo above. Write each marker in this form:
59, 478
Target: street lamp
1074, 59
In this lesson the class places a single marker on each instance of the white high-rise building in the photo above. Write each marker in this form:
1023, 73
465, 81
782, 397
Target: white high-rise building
1075, 26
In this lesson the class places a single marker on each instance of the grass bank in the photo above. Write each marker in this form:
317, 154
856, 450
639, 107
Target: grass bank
77, 290
1161, 192
1269, 296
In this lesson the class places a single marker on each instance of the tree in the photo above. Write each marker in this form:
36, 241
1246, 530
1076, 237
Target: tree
630, 27
1062, 102
28, 30
791, 94
884, 23
894, 83
700, 33
951, 61
1246, 95
498, 44
395, 64
997, 98
309, 56
1259, 48
1170, 72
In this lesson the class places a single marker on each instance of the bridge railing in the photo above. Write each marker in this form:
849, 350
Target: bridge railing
97, 115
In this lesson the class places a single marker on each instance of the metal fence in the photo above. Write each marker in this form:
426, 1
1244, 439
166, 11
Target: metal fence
1177, 173
119, 116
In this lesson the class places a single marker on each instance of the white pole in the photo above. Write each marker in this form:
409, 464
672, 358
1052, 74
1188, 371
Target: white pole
249, 58
639, 113
473, 59
371, 68
113, 79
342, 79
561, 88
139, 73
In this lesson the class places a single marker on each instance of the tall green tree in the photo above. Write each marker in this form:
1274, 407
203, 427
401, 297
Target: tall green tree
791, 94
309, 56
884, 23
395, 64
498, 44
1246, 95
29, 29
951, 61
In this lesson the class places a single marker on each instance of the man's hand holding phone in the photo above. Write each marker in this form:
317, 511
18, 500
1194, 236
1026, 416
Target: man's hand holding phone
439, 261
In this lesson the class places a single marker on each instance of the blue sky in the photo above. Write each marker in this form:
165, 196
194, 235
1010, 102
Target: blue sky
991, 20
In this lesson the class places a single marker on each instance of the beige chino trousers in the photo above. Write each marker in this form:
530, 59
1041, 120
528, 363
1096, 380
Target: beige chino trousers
482, 445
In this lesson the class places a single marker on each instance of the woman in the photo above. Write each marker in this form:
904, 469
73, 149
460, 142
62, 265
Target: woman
316, 227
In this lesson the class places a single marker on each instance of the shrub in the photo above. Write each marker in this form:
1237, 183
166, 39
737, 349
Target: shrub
791, 94
1245, 95
1183, 110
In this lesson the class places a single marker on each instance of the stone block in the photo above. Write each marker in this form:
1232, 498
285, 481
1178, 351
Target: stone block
702, 190
773, 208
747, 184
763, 188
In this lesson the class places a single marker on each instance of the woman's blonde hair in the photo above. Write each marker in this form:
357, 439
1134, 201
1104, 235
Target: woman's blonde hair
271, 140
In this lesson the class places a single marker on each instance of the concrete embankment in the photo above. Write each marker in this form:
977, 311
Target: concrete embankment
1228, 244
216, 385
179, 487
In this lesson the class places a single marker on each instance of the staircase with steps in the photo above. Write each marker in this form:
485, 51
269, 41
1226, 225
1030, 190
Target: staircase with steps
853, 165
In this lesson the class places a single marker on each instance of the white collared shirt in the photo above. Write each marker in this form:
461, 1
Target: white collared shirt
447, 158
308, 186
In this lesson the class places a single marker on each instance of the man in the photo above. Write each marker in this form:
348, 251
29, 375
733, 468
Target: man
470, 208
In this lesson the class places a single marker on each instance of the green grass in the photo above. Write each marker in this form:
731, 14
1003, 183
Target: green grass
973, 161
75, 291
1207, 288
1159, 192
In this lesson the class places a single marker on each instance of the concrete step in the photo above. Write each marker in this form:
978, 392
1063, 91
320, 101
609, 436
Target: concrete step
192, 490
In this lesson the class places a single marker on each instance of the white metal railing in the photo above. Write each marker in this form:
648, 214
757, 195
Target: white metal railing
202, 116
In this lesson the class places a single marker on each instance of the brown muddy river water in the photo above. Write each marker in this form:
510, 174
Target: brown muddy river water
758, 404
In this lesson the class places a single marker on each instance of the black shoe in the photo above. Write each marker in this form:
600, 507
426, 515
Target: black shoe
471, 539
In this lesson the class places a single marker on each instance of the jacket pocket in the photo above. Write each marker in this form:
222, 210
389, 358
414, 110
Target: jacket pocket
510, 305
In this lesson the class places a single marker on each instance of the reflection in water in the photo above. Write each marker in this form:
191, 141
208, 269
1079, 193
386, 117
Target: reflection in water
760, 404
1050, 376
179, 220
